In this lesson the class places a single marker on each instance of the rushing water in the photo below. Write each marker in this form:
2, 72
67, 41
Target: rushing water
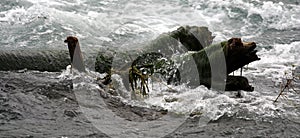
273, 25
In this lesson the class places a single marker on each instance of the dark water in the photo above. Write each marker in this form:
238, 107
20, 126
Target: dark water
43, 104
35, 104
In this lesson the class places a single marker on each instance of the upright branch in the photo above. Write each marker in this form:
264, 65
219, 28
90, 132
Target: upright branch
75, 53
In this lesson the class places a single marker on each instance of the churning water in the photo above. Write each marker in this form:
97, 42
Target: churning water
274, 25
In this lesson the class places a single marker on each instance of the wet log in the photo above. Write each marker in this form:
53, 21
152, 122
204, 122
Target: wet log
33, 59
190, 44
212, 65
180, 41
206, 65
193, 38
215, 62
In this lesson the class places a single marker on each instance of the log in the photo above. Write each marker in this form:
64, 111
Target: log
180, 41
34, 59
206, 59
211, 62
193, 38
211, 67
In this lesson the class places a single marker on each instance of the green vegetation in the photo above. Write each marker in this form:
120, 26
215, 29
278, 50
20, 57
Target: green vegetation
147, 65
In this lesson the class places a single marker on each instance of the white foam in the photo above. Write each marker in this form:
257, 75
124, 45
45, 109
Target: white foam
275, 64
277, 61
46, 2
223, 16
151, 17
212, 104
14, 15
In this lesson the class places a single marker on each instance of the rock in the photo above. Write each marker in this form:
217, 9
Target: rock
103, 62
234, 83
170, 99
196, 113
70, 113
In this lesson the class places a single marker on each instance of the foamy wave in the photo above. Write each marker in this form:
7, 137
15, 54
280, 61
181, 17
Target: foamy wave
213, 104
92, 20
275, 67
21, 15
277, 15
274, 64
277, 61
241, 18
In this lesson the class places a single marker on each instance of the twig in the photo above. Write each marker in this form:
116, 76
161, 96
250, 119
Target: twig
288, 85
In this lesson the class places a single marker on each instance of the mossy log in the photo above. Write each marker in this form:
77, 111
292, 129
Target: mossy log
33, 59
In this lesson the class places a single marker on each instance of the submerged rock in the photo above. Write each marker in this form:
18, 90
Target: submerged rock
170, 99
234, 83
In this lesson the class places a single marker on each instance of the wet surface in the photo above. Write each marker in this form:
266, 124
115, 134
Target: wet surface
234, 127
36, 104
39, 104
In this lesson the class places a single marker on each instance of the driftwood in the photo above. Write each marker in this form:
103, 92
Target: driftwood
236, 54
224, 58
206, 59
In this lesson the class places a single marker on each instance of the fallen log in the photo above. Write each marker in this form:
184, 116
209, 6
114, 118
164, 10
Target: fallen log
207, 65
213, 64
182, 41
212, 69
33, 59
